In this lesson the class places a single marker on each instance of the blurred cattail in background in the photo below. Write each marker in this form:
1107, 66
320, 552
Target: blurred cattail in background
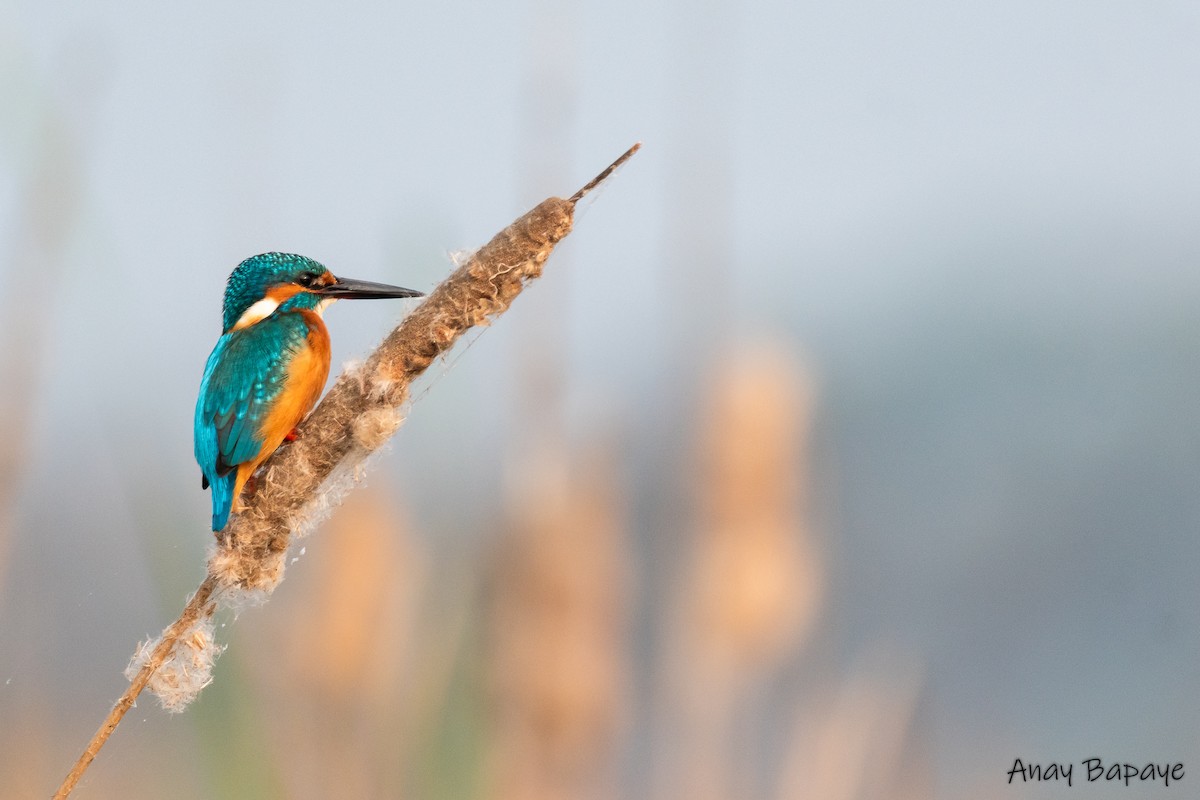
752, 583
557, 645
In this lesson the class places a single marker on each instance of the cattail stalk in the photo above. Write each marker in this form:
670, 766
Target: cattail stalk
300, 482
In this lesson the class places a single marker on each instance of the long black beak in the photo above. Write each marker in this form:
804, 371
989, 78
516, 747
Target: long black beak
350, 289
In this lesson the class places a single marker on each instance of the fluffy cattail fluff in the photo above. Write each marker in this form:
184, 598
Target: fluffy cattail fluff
185, 671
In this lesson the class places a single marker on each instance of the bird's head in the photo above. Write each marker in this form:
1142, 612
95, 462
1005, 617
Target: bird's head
263, 283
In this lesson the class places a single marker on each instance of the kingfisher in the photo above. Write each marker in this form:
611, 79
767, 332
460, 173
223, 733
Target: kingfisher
268, 368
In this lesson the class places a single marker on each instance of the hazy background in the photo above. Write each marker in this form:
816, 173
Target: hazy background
849, 447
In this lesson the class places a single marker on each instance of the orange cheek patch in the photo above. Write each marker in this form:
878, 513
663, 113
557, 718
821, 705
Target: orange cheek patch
283, 292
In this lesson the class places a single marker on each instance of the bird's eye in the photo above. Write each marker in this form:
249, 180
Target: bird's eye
307, 279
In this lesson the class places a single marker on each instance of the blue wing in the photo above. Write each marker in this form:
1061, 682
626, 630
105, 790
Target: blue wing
243, 375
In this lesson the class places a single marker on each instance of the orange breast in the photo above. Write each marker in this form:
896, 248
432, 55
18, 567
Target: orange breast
306, 376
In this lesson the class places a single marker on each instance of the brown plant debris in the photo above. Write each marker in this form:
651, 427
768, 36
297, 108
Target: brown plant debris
299, 483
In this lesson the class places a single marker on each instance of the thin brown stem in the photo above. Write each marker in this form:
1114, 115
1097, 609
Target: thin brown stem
603, 176
191, 612
360, 412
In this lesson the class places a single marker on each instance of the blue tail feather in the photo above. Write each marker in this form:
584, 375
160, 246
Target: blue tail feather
222, 499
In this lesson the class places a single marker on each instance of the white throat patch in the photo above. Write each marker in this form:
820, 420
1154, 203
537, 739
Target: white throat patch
266, 307
256, 313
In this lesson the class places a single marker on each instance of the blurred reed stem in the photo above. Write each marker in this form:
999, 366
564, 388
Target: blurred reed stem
50, 200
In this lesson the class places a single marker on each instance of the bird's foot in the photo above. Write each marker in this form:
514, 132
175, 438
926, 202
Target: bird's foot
291, 436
